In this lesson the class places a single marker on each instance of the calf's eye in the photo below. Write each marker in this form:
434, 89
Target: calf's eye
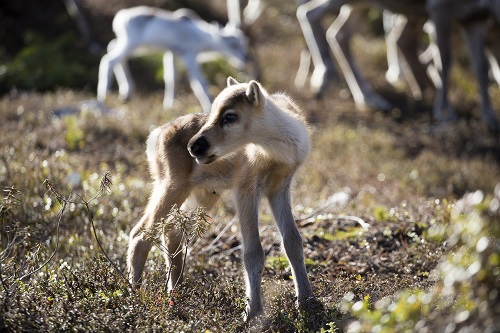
229, 118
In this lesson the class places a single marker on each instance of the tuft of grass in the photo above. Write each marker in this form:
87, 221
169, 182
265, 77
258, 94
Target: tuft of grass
277, 263
381, 214
339, 235
75, 137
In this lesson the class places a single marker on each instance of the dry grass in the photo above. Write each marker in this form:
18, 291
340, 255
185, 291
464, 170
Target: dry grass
403, 174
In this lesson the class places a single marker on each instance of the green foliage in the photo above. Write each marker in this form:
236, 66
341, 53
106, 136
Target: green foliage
47, 64
339, 235
381, 214
332, 328
311, 318
470, 277
218, 70
75, 137
277, 263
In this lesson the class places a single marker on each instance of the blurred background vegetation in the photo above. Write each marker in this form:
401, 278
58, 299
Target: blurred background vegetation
46, 45
41, 48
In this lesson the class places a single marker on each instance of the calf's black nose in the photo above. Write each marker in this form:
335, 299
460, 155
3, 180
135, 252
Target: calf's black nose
199, 146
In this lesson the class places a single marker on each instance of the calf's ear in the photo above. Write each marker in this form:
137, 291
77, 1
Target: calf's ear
231, 81
254, 93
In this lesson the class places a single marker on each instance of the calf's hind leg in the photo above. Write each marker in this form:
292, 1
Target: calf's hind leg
164, 196
173, 239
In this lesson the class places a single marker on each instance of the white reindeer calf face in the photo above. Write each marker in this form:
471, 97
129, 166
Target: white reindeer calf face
231, 123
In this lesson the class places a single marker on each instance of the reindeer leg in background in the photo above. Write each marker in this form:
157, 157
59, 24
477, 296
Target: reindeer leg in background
126, 82
339, 36
243, 19
440, 16
234, 12
414, 70
105, 77
303, 71
495, 69
169, 75
476, 33
116, 56
252, 11
309, 16
392, 29
197, 81
305, 60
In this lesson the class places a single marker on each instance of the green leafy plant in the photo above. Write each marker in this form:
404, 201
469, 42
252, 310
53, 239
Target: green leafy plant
75, 137
469, 277
47, 64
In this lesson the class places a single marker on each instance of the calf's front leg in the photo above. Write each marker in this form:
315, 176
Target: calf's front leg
253, 254
292, 241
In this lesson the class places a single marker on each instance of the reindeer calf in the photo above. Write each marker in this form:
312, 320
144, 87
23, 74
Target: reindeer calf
180, 34
250, 142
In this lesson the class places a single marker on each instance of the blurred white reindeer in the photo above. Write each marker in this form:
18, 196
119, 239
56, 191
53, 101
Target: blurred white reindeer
181, 34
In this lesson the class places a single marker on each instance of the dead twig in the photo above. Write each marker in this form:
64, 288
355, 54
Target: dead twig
219, 236
338, 199
64, 201
105, 186
191, 224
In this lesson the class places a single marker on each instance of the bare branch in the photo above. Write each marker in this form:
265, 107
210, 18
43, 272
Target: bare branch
64, 202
